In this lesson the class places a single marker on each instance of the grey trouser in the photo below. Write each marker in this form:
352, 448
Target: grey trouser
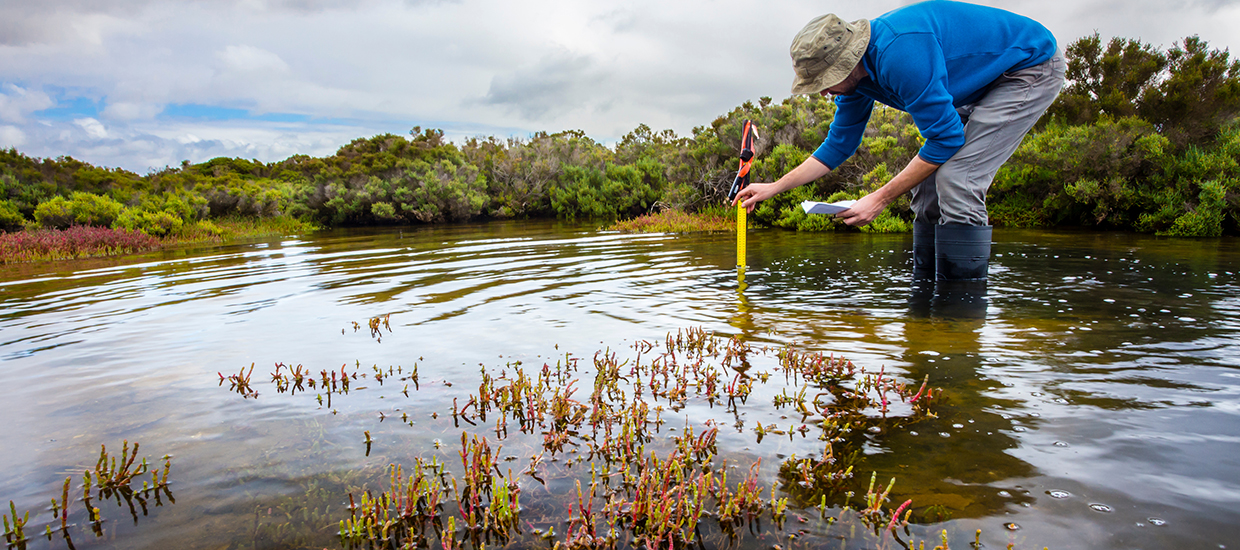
993, 128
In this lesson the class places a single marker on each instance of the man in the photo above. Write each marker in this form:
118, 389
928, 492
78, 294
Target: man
974, 79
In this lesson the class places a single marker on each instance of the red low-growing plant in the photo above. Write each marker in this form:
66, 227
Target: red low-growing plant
74, 242
675, 221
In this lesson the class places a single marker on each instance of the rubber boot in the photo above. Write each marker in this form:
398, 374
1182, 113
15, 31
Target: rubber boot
923, 251
962, 260
961, 252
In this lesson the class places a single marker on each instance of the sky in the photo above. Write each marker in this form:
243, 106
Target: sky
145, 84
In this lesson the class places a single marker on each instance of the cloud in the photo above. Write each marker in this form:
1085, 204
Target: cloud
154, 144
558, 82
94, 129
17, 103
127, 110
12, 136
249, 60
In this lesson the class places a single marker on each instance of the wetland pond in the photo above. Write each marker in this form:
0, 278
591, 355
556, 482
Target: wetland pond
606, 383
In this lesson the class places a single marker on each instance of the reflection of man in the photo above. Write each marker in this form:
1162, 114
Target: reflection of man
974, 79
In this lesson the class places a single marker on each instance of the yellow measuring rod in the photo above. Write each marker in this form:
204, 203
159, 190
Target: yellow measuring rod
740, 237
742, 179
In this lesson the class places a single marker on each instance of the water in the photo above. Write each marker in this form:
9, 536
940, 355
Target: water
1092, 390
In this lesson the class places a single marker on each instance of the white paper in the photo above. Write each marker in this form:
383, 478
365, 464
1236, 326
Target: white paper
812, 207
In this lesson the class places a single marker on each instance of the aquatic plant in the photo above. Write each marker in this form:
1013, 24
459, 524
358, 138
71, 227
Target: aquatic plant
15, 534
411, 509
240, 382
375, 324
641, 490
112, 478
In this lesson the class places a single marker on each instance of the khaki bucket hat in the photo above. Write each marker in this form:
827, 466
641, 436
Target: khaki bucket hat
825, 52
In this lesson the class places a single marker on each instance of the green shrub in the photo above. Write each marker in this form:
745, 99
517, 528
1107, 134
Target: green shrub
206, 227
383, 210
607, 193
161, 223
1016, 210
792, 216
54, 213
887, 222
1079, 175
439, 192
1206, 219
78, 209
10, 218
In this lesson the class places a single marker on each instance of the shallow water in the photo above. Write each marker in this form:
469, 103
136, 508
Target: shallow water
1092, 389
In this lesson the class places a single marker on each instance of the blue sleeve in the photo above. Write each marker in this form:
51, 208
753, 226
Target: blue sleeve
852, 112
915, 69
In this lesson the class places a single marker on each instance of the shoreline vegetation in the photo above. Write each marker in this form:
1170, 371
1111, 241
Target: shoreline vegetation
83, 241
1140, 139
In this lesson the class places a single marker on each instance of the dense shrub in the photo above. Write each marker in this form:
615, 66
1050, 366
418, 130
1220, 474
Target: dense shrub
521, 175
1189, 92
1078, 175
78, 209
10, 218
158, 223
439, 192
605, 193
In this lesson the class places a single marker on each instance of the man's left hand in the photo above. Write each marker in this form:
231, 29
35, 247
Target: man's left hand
863, 211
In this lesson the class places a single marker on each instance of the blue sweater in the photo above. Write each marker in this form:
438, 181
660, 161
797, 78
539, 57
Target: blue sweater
927, 59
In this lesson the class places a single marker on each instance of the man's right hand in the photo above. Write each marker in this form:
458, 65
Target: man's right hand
806, 172
755, 193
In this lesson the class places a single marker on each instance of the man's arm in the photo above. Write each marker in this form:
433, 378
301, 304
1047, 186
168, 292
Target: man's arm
806, 172
870, 206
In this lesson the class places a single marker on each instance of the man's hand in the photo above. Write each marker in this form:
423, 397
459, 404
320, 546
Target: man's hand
870, 206
755, 193
809, 170
863, 211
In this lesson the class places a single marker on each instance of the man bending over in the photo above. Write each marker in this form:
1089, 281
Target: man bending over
975, 79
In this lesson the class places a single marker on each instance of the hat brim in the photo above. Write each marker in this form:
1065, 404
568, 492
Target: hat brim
842, 67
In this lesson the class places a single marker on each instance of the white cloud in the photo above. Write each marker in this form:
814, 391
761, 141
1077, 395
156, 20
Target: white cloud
17, 103
94, 129
128, 110
11, 136
249, 60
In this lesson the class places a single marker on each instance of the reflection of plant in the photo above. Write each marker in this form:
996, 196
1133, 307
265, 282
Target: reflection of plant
850, 406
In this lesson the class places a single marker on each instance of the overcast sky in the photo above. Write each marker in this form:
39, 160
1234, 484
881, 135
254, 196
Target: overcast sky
143, 84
